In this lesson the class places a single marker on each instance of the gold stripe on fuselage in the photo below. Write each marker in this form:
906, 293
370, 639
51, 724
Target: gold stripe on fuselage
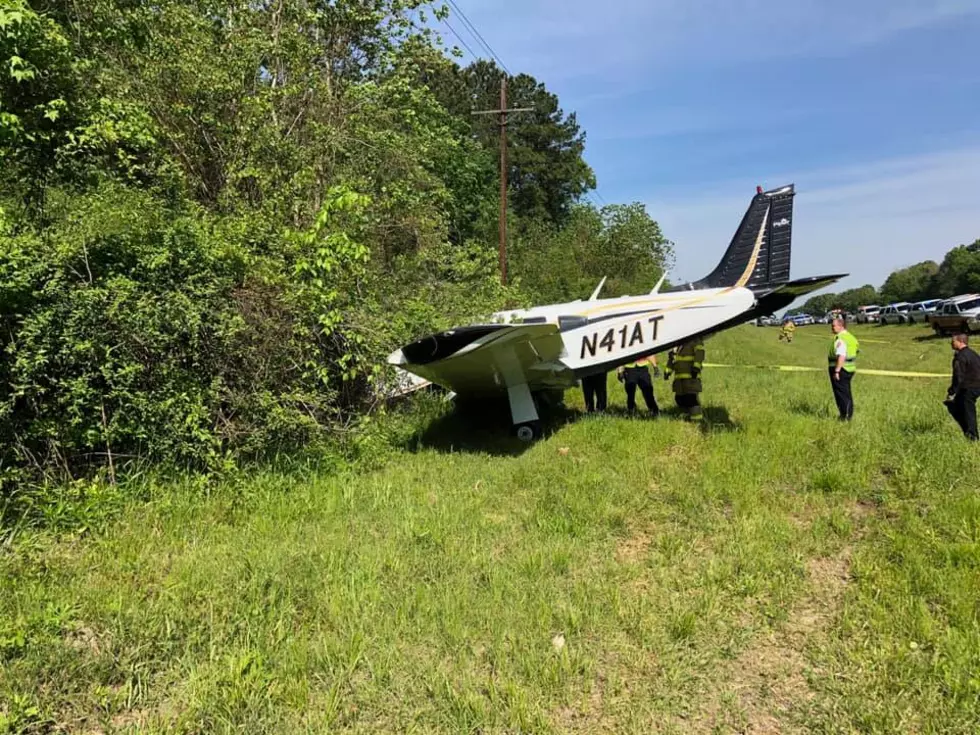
743, 279
654, 302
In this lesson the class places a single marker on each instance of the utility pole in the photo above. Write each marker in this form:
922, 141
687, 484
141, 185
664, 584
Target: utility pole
502, 226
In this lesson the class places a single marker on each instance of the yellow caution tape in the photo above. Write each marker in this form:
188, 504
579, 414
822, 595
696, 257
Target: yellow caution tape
825, 336
808, 369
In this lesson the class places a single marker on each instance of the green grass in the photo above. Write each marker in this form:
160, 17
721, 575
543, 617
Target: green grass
775, 570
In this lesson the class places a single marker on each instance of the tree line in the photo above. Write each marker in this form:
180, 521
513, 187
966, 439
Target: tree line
216, 218
958, 273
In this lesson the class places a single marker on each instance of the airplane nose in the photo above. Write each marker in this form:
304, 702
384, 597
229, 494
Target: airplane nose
396, 358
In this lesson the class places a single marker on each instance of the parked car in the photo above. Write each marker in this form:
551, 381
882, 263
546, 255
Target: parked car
802, 320
896, 313
958, 314
920, 311
868, 314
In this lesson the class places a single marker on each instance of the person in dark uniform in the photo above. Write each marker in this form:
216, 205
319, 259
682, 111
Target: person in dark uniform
961, 398
842, 364
686, 363
637, 375
594, 391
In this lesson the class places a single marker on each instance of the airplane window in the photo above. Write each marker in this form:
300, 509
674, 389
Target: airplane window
565, 323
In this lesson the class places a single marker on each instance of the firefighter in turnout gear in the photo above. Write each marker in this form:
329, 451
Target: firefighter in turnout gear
685, 364
637, 375
786, 333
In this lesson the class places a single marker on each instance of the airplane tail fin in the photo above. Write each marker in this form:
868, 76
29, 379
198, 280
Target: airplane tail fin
759, 253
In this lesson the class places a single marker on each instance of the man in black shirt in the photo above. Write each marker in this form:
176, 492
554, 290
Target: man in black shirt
961, 399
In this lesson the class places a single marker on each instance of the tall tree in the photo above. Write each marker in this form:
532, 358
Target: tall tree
910, 284
621, 243
820, 304
546, 169
633, 252
852, 298
959, 271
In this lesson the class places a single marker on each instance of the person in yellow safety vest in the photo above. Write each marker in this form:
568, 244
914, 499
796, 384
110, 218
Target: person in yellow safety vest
637, 375
685, 364
786, 333
842, 364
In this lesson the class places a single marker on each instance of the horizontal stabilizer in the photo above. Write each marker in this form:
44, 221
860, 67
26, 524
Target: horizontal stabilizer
784, 295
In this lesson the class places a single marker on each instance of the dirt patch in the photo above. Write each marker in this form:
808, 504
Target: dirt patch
130, 719
633, 549
594, 712
683, 456
85, 639
763, 688
587, 718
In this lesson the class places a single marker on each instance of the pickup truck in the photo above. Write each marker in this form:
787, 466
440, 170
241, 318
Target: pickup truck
958, 314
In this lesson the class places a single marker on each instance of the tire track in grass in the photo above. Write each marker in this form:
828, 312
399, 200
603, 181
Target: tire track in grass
765, 689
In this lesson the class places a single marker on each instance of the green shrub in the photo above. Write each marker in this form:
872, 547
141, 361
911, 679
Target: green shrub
135, 329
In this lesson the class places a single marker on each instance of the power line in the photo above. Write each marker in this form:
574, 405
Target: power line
476, 34
460, 39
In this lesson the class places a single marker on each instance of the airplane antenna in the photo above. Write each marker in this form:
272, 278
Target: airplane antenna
595, 294
656, 289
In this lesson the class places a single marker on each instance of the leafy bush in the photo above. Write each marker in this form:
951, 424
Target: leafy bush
217, 220
135, 329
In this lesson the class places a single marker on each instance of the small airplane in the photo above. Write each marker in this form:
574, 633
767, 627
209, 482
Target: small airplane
528, 355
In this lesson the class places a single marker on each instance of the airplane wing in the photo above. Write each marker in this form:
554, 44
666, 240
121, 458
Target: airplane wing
488, 358
401, 384
785, 294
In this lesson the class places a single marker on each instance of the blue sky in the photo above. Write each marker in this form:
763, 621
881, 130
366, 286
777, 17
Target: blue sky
871, 107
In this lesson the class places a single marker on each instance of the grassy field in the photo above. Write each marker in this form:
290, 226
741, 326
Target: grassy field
775, 571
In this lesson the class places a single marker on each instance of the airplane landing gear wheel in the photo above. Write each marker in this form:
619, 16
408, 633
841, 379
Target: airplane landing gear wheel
528, 432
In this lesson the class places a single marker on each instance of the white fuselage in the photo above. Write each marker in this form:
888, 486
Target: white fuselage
604, 333
554, 346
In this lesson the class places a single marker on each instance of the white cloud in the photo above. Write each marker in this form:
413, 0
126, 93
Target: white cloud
564, 39
863, 219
